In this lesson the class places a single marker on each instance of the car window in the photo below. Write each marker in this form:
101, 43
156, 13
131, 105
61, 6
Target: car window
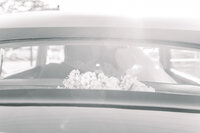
186, 62
55, 54
19, 59
91, 63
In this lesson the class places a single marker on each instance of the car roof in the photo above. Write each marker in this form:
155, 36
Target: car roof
63, 19
55, 24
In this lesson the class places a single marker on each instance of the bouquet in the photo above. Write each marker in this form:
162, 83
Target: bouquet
93, 80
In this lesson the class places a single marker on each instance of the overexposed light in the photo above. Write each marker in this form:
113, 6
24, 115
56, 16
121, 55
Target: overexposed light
136, 8
97, 65
157, 67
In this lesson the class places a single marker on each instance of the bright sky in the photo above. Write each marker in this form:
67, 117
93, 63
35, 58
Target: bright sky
140, 8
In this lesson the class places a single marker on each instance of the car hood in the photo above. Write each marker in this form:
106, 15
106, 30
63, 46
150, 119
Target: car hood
94, 120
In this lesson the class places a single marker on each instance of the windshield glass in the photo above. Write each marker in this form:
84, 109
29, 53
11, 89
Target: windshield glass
98, 64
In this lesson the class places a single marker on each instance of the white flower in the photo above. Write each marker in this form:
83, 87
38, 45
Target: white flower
91, 80
112, 83
75, 74
73, 80
139, 86
127, 81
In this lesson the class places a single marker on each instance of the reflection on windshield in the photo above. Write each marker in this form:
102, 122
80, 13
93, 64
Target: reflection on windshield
119, 64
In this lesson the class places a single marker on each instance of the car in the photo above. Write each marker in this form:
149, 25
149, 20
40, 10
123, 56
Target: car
94, 73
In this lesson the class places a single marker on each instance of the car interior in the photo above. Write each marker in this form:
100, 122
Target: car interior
113, 60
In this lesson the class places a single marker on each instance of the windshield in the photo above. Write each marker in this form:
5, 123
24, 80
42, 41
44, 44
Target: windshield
98, 64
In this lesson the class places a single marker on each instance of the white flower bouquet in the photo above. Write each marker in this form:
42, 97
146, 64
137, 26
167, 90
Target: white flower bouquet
92, 80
